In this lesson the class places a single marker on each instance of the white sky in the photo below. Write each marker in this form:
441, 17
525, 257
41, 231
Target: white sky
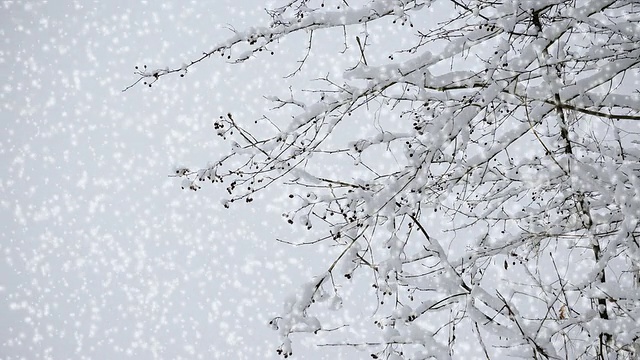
103, 255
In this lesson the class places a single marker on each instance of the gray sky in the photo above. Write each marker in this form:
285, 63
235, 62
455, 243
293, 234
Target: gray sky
103, 255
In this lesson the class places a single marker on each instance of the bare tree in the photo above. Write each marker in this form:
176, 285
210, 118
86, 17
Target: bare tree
513, 125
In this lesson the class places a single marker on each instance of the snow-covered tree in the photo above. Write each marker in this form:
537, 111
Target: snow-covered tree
483, 175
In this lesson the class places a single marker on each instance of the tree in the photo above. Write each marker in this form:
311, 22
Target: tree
514, 126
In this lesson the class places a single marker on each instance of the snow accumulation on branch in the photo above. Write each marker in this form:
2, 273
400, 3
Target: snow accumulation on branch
482, 182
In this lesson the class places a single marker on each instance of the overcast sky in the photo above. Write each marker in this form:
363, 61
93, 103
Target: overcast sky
103, 255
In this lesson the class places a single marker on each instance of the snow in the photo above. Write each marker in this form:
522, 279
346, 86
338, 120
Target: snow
379, 179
